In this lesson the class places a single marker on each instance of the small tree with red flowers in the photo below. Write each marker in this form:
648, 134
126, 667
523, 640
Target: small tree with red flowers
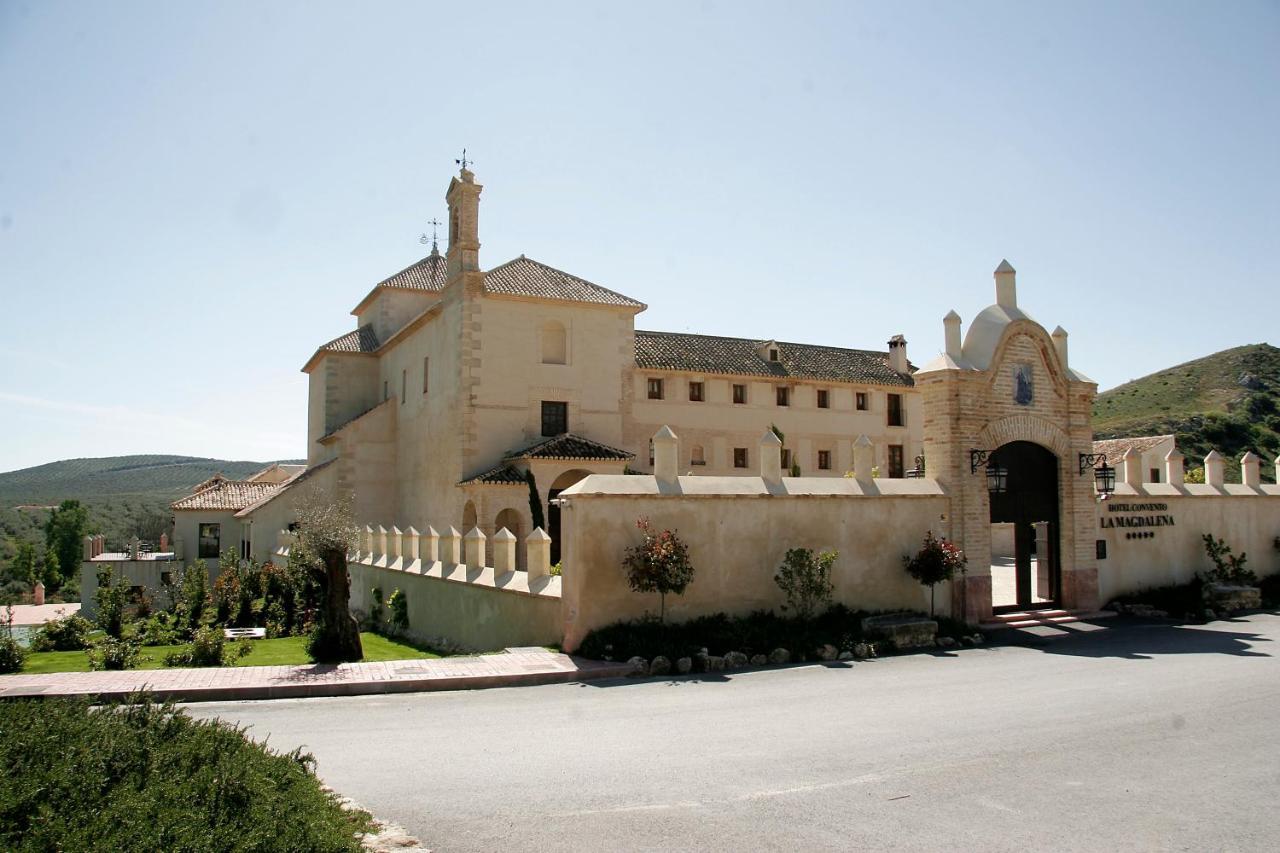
660, 563
937, 560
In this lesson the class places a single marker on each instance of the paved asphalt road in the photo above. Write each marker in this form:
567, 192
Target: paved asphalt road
1140, 737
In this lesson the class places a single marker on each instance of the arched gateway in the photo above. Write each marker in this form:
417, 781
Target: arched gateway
1005, 421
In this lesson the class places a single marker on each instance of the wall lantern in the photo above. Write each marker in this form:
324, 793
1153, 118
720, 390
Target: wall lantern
917, 471
1104, 476
997, 474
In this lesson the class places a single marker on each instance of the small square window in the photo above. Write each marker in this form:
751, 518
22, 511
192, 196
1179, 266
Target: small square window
555, 418
897, 469
210, 541
698, 456
1155, 475
655, 389
773, 355
824, 399
861, 401
824, 460
784, 396
740, 394
739, 457
695, 392
786, 460
1100, 549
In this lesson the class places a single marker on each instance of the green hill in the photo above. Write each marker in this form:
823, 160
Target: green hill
1228, 401
126, 495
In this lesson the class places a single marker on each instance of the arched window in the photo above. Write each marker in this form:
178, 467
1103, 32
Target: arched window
555, 343
697, 456
468, 518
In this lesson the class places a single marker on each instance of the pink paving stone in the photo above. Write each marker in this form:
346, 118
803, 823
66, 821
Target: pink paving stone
261, 682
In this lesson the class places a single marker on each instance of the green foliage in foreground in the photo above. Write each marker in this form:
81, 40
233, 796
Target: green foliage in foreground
147, 777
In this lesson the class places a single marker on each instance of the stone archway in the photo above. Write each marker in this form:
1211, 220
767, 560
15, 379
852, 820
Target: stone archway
1028, 503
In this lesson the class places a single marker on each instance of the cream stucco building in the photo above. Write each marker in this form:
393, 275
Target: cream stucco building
460, 386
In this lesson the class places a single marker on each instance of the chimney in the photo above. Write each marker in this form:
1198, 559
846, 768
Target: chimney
951, 327
898, 354
1006, 286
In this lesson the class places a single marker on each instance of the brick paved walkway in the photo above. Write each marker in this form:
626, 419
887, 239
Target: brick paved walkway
514, 667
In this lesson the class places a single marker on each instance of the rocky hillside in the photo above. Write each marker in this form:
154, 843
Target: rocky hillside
1228, 401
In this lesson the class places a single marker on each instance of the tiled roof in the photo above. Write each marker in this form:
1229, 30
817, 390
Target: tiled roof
300, 476
505, 474
525, 277
710, 354
363, 339
426, 274
570, 446
226, 494
1115, 448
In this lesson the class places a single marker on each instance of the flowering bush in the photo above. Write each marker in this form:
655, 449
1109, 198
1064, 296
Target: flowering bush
937, 560
660, 563
806, 580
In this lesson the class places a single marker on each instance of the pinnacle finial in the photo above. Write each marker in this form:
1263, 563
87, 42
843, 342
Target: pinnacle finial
1005, 266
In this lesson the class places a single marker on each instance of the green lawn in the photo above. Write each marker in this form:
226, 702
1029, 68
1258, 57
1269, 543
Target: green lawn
278, 652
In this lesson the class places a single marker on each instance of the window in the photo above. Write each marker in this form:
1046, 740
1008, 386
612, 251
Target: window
824, 460
697, 457
784, 396
555, 343
1155, 475
860, 401
384, 391
651, 453
404, 384
786, 460
555, 417
695, 392
773, 355
739, 457
895, 461
824, 401
655, 389
210, 541
740, 393
246, 549
426, 374
895, 410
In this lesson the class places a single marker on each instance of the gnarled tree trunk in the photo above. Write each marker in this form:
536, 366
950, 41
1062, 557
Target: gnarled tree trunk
338, 637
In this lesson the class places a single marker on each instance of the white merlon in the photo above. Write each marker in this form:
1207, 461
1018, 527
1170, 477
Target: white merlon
1174, 470
1250, 469
475, 549
770, 457
863, 458
432, 540
538, 554
1132, 467
1060, 344
1006, 285
397, 543
951, 328
414, 543
451, 547
1213, 468
504, 551
666, 455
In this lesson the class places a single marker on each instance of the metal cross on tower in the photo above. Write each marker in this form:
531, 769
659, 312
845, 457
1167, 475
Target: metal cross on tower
463, 161
434, 223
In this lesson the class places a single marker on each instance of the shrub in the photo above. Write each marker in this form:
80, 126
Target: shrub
374, 620
1227, 567
160, 630
660, 563
398, 608
556, 570
193, 595
208, 648
112, 653
145, 776
12, 655
937, 560
110, 597
68, 634
806, 580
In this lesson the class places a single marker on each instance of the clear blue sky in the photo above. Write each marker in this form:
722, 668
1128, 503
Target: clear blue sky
194, 196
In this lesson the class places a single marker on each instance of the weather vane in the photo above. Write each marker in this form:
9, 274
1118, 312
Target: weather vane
464, 162
434, 223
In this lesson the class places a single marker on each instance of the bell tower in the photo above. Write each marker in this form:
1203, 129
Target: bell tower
463, 198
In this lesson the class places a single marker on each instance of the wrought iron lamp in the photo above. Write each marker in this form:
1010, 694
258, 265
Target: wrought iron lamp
1104, 475
997, 474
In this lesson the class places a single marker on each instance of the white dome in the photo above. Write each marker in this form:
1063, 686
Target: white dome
985, 332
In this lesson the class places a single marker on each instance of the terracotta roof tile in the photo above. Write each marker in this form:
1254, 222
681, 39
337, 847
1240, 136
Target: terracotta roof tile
1115, 448
570, 446
363, 339
505, 474
227, 495
526, 277
426, 274
711, 354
